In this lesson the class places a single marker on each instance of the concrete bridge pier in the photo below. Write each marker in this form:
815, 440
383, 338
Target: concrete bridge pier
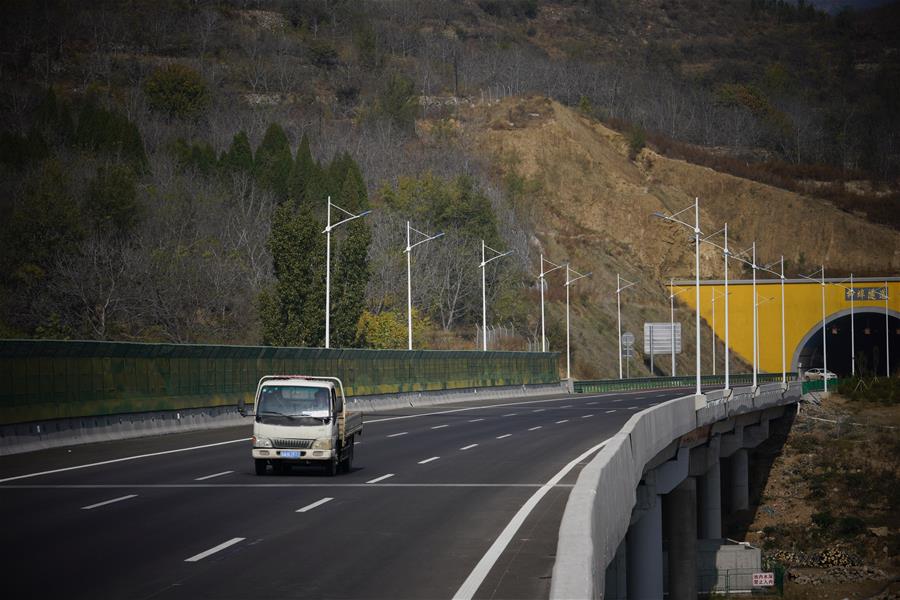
645, 552
680, 525
740, 480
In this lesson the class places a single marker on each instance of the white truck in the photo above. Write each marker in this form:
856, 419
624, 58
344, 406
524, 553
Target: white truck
302, 420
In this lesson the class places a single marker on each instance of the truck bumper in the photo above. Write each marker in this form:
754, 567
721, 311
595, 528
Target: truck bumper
298, 456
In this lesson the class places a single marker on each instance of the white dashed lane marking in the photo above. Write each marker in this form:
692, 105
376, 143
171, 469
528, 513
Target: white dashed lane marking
105, 502
398, 434
428, 460
440, 426
215, 549
535, 428
315, 504
505, 435
382, 478
470, 446
205, 477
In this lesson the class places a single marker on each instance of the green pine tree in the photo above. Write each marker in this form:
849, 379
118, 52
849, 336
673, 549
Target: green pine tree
292, 312
274, 161
351, 273
239, 157
301, 170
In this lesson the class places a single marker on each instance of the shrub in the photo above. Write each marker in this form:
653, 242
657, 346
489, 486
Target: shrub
178, 91
850, 526
637, 139
823, 520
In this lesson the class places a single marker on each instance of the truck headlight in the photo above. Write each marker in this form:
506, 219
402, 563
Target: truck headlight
323, 444
261, 442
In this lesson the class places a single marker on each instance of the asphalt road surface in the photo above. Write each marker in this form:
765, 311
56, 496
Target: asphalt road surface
460, 500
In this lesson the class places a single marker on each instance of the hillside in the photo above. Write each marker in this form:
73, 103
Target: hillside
166, 164
590, 204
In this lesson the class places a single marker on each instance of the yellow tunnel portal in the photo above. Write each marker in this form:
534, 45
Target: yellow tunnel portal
871, 298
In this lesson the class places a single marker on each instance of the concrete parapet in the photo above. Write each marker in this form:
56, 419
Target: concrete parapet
599, 510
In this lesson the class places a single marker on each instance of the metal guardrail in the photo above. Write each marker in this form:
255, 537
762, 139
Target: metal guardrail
648, 383
44, 379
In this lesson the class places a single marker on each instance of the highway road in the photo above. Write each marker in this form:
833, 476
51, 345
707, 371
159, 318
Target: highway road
457, 500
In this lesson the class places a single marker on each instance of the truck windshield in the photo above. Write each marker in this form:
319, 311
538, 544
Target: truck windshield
294, 401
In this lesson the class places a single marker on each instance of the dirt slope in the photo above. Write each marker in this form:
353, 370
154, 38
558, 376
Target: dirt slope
591, 205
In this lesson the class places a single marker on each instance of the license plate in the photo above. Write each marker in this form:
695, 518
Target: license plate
290, 454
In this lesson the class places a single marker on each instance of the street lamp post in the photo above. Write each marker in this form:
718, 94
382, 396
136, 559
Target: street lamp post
484, 263
569, 282
821, 271
726, 253
619, 290
696, 229
408, 252
780, 275
327, 232
672, 320
542, 282
887, 333
852, 322
713, 301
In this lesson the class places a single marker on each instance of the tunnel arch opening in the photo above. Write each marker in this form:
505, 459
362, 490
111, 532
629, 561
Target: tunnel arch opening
871, 343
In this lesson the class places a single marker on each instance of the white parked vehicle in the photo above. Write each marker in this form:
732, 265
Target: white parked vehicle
302, 420
818, 374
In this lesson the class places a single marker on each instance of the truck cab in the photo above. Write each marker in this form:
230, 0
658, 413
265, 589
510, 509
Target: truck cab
302, 420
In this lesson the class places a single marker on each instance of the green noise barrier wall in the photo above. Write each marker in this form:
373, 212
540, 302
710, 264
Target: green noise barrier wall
42, 380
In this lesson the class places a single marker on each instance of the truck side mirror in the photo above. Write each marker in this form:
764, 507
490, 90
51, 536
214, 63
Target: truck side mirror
338, 403
242, 407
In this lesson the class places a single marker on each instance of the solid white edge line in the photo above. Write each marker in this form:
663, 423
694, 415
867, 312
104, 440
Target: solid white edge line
90, 506
204, 478
382, 478
470, 586
315, 504
215, 549
456, 410
468, 447
428, 460
116, 460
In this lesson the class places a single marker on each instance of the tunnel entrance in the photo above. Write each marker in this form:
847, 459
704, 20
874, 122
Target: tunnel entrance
870, 344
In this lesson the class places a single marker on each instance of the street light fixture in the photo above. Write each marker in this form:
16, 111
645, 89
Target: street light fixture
713, 296
821, 272
780, 275
619, 290
887, 339
754, 266
696, 229
569, 282
852, 322
484, 263
672, 319
408, 252
726, 253
542, 282
327, 232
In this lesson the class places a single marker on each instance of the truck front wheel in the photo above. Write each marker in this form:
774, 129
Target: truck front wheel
260, 464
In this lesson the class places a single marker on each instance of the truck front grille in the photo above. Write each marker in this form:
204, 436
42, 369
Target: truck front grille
286, 443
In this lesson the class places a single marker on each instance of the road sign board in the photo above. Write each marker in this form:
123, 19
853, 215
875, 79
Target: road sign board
661, 335
763, 579
628, 339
